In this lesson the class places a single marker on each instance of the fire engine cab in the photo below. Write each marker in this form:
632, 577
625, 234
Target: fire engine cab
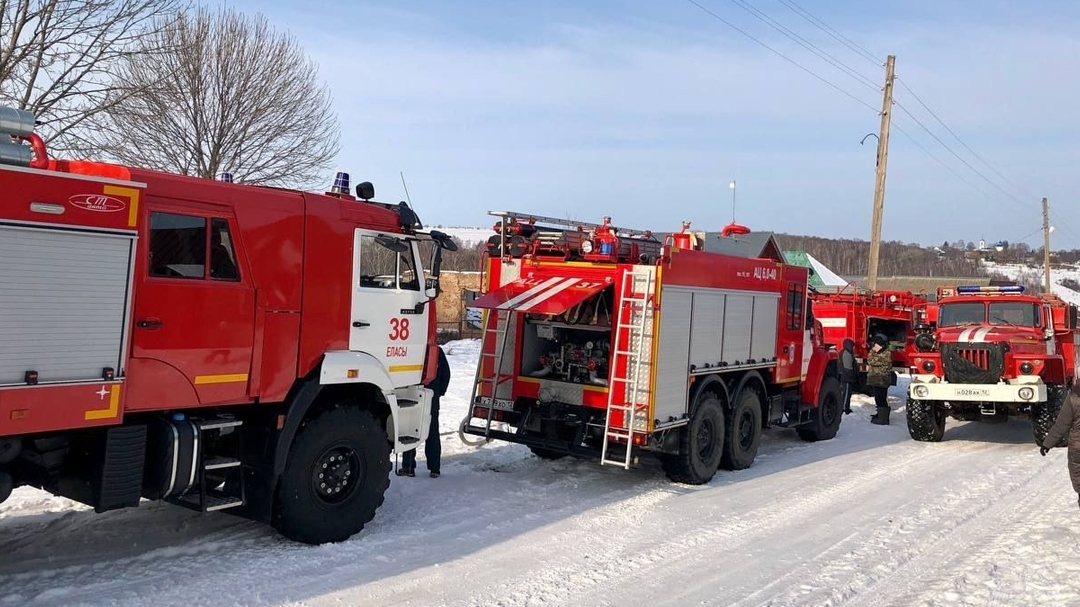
993, 353
606, 342
220, 346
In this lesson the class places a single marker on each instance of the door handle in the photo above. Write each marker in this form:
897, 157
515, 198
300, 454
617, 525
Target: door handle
359, 324
149, 323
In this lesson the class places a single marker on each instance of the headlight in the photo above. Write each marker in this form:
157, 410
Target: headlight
1027, 393
586, 247
929, 366
921, 391
1026, 368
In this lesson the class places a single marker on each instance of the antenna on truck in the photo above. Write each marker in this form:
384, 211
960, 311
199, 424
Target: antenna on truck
402, 173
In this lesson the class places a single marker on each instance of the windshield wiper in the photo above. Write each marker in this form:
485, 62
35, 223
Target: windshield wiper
995, 318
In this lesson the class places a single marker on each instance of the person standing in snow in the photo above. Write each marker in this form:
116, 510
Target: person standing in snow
849, 372
1067, 425
432, 446
878, 376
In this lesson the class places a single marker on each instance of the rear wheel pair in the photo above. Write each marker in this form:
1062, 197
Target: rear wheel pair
714, 440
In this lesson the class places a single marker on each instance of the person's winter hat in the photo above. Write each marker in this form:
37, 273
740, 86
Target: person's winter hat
880, 340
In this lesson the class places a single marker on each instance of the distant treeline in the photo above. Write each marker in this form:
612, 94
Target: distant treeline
850, 257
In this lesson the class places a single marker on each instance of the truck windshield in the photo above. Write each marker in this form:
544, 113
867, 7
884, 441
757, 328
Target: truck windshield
1014, 313
967, 313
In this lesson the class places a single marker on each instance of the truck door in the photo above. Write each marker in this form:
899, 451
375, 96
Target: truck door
389, 315
194, 311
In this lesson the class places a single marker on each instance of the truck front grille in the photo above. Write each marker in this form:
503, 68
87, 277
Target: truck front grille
966, 363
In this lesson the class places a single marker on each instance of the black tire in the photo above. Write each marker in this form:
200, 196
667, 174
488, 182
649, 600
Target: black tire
350, 444
701, 444
742, 436
547, 453
1045, 414
926, 420
828, 414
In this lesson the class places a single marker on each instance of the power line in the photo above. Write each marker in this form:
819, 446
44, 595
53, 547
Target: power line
810, 46
783, 56
938, 160
958, 157
836, 35
955, 136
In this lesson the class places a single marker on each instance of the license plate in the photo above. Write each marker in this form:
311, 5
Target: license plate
981, 392
501, 404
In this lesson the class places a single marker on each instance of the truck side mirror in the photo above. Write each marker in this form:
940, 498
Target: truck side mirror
1073, 316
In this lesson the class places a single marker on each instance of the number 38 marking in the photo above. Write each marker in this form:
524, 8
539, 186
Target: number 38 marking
399, 328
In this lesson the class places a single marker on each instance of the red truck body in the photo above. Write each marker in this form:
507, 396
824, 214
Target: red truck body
990, 353
859, 315
601, 341
172, 330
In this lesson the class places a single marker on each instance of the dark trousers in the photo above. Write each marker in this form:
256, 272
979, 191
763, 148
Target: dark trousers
432, 447
847, 388
881, 397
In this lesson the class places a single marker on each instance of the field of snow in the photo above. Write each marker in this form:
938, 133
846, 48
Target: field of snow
870, 518
469, 236
1021, 272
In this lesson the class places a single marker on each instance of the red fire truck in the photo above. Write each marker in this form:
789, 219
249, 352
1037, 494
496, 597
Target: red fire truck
216, 345
858, 315
992, 353
604, 342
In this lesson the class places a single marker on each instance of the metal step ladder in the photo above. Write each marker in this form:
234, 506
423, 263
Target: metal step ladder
221, 476
633, 334
502, 322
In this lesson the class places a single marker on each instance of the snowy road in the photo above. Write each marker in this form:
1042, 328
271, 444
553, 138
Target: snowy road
870, 518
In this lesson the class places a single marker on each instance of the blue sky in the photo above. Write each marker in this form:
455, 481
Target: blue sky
646, 110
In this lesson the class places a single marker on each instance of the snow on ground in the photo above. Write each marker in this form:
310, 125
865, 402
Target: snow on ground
1019, 272
870, 518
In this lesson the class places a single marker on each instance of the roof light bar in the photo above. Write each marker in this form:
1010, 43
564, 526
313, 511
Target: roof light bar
966, 290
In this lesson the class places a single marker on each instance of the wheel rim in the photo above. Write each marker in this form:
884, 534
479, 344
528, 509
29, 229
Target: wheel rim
829, 409
706, 442
336, 474
746, 430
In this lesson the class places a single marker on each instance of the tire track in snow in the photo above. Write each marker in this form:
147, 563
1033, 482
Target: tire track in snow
567, 579
945, 518
996, 533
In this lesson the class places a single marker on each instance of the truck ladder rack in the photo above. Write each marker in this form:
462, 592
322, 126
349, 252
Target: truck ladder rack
635, 322
502, 322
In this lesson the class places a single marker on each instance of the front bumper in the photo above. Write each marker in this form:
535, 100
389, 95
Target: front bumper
1019, 390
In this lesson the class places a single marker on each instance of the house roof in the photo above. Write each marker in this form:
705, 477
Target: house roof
755, 244
822, 276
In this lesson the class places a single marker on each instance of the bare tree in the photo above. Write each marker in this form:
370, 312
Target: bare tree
57, 57
229, 95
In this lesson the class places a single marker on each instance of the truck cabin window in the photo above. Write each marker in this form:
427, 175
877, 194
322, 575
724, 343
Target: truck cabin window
956, 314
222, 256
1014, 313
386, 266
177, 246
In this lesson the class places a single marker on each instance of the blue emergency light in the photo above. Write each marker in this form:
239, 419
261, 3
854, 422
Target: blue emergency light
341, 183
1000, 289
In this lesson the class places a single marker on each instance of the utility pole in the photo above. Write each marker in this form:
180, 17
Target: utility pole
879, 185
1046, 244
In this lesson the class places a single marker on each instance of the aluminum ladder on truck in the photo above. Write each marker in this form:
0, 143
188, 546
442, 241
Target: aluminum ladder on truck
502, 321
634, 323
